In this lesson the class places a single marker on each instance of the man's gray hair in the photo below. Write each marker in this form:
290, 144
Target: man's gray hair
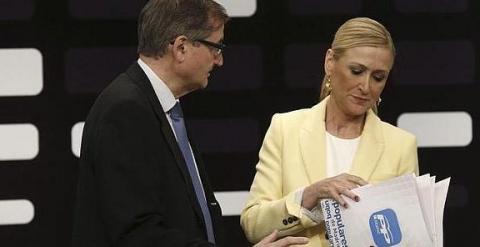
161, 21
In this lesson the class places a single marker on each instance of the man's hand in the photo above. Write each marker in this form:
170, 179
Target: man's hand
271, 241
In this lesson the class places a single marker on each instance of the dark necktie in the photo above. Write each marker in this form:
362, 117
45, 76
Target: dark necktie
178, 124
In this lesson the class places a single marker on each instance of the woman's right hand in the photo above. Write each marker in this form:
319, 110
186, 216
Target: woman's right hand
332, 188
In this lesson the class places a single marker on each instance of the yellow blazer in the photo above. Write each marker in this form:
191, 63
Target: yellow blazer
293, 156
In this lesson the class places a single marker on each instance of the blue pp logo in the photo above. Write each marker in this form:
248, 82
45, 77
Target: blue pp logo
385, 229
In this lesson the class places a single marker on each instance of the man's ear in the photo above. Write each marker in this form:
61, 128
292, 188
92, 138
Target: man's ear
179, 47
329, 62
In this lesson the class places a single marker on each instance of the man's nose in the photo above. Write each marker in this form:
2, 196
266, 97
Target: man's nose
218, 59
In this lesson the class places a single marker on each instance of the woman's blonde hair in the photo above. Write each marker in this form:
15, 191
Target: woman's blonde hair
360, 31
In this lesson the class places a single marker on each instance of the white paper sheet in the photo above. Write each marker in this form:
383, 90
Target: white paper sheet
403, 211
441, 190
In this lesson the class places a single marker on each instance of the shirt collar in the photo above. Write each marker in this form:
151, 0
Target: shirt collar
164, 95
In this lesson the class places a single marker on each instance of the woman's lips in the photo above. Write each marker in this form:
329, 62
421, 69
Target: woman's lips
360, 99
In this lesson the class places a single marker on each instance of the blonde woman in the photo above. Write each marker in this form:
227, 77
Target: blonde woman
333, 147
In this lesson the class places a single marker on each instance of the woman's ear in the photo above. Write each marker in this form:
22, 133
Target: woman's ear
329, 62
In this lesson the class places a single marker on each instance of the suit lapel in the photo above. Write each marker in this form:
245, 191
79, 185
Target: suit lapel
370, 148
141, 79
312, 143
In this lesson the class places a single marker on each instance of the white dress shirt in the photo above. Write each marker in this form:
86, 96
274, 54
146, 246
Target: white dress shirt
167, 100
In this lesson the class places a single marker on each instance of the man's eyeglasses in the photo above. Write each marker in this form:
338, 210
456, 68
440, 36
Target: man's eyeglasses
218, 47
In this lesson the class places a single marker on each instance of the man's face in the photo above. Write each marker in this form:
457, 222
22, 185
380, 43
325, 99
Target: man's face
202, 59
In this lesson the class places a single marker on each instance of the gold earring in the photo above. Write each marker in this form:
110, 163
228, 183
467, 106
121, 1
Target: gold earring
328, 85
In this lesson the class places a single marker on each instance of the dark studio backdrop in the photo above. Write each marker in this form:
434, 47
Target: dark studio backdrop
274, 63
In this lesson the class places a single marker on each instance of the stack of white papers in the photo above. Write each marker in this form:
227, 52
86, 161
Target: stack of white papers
403, 211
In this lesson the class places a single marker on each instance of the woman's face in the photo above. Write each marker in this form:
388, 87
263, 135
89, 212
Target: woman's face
358, 77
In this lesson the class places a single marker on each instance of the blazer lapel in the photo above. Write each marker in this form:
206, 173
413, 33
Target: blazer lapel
141, 79
312, 143
370, 148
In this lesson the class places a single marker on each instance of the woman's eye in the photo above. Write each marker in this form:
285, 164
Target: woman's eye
379, 78
356, 71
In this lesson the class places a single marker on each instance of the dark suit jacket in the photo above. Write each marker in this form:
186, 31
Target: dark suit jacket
134, 188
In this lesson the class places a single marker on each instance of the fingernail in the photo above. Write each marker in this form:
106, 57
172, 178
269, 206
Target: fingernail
357, 198
345, 205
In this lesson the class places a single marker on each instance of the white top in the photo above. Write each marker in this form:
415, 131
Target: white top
340, 153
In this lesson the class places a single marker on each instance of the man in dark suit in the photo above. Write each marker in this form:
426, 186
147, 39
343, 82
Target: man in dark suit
141, 183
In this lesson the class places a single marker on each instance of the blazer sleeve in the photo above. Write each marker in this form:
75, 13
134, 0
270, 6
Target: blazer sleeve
409, 158
267, 208
128, 179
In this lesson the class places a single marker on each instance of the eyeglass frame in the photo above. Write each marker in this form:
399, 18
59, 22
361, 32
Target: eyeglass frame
218, 46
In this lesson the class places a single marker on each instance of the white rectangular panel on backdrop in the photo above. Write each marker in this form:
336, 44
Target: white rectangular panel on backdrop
438, 129
239, 8
18, 141
231, 202
21, 72
77, 131
16, 212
